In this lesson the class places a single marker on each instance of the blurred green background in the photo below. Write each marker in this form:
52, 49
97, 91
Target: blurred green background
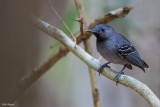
67, 84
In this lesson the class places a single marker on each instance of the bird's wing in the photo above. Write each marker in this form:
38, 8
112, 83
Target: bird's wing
128, 52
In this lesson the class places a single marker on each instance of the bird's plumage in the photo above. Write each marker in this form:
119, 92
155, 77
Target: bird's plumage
129, 53
115, 48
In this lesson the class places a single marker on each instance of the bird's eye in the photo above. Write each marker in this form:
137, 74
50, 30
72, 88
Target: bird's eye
102, 30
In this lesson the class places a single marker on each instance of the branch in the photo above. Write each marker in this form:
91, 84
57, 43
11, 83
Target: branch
31, 77
128, 81
87, 46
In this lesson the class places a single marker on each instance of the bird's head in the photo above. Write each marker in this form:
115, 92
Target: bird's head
102, 31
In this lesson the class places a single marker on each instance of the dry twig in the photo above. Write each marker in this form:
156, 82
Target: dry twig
52, 7
87, 45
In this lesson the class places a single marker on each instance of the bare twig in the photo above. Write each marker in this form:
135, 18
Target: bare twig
119, 13
87, 45
81, 21
128, 81
31, 77
52, 7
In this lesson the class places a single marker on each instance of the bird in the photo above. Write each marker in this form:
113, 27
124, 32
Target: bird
117, 49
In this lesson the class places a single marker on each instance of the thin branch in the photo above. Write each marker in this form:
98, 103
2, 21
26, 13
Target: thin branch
119, 13
127, 81
52, 7
87, 45
81, 21
31, 77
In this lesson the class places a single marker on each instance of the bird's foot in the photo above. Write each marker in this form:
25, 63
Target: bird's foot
117, 77
119, 74
102, 67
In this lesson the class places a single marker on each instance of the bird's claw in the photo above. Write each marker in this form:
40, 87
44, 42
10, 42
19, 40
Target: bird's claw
100, 70
102, 67
117, 77
108, 66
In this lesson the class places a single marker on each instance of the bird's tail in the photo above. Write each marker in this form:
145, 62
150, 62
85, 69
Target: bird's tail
145, 64
137, 61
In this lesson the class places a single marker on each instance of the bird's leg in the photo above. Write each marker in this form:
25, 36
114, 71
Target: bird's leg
102, 67
119, 74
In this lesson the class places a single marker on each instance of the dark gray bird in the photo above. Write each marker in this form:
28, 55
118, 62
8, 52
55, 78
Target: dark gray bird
115, 48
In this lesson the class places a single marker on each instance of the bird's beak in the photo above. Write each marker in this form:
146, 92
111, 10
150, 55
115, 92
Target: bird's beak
89, 31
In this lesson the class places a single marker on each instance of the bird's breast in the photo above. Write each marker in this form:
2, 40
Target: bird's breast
107, 49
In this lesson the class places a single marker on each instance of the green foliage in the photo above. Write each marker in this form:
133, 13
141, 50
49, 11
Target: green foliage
63, 67
70, 14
